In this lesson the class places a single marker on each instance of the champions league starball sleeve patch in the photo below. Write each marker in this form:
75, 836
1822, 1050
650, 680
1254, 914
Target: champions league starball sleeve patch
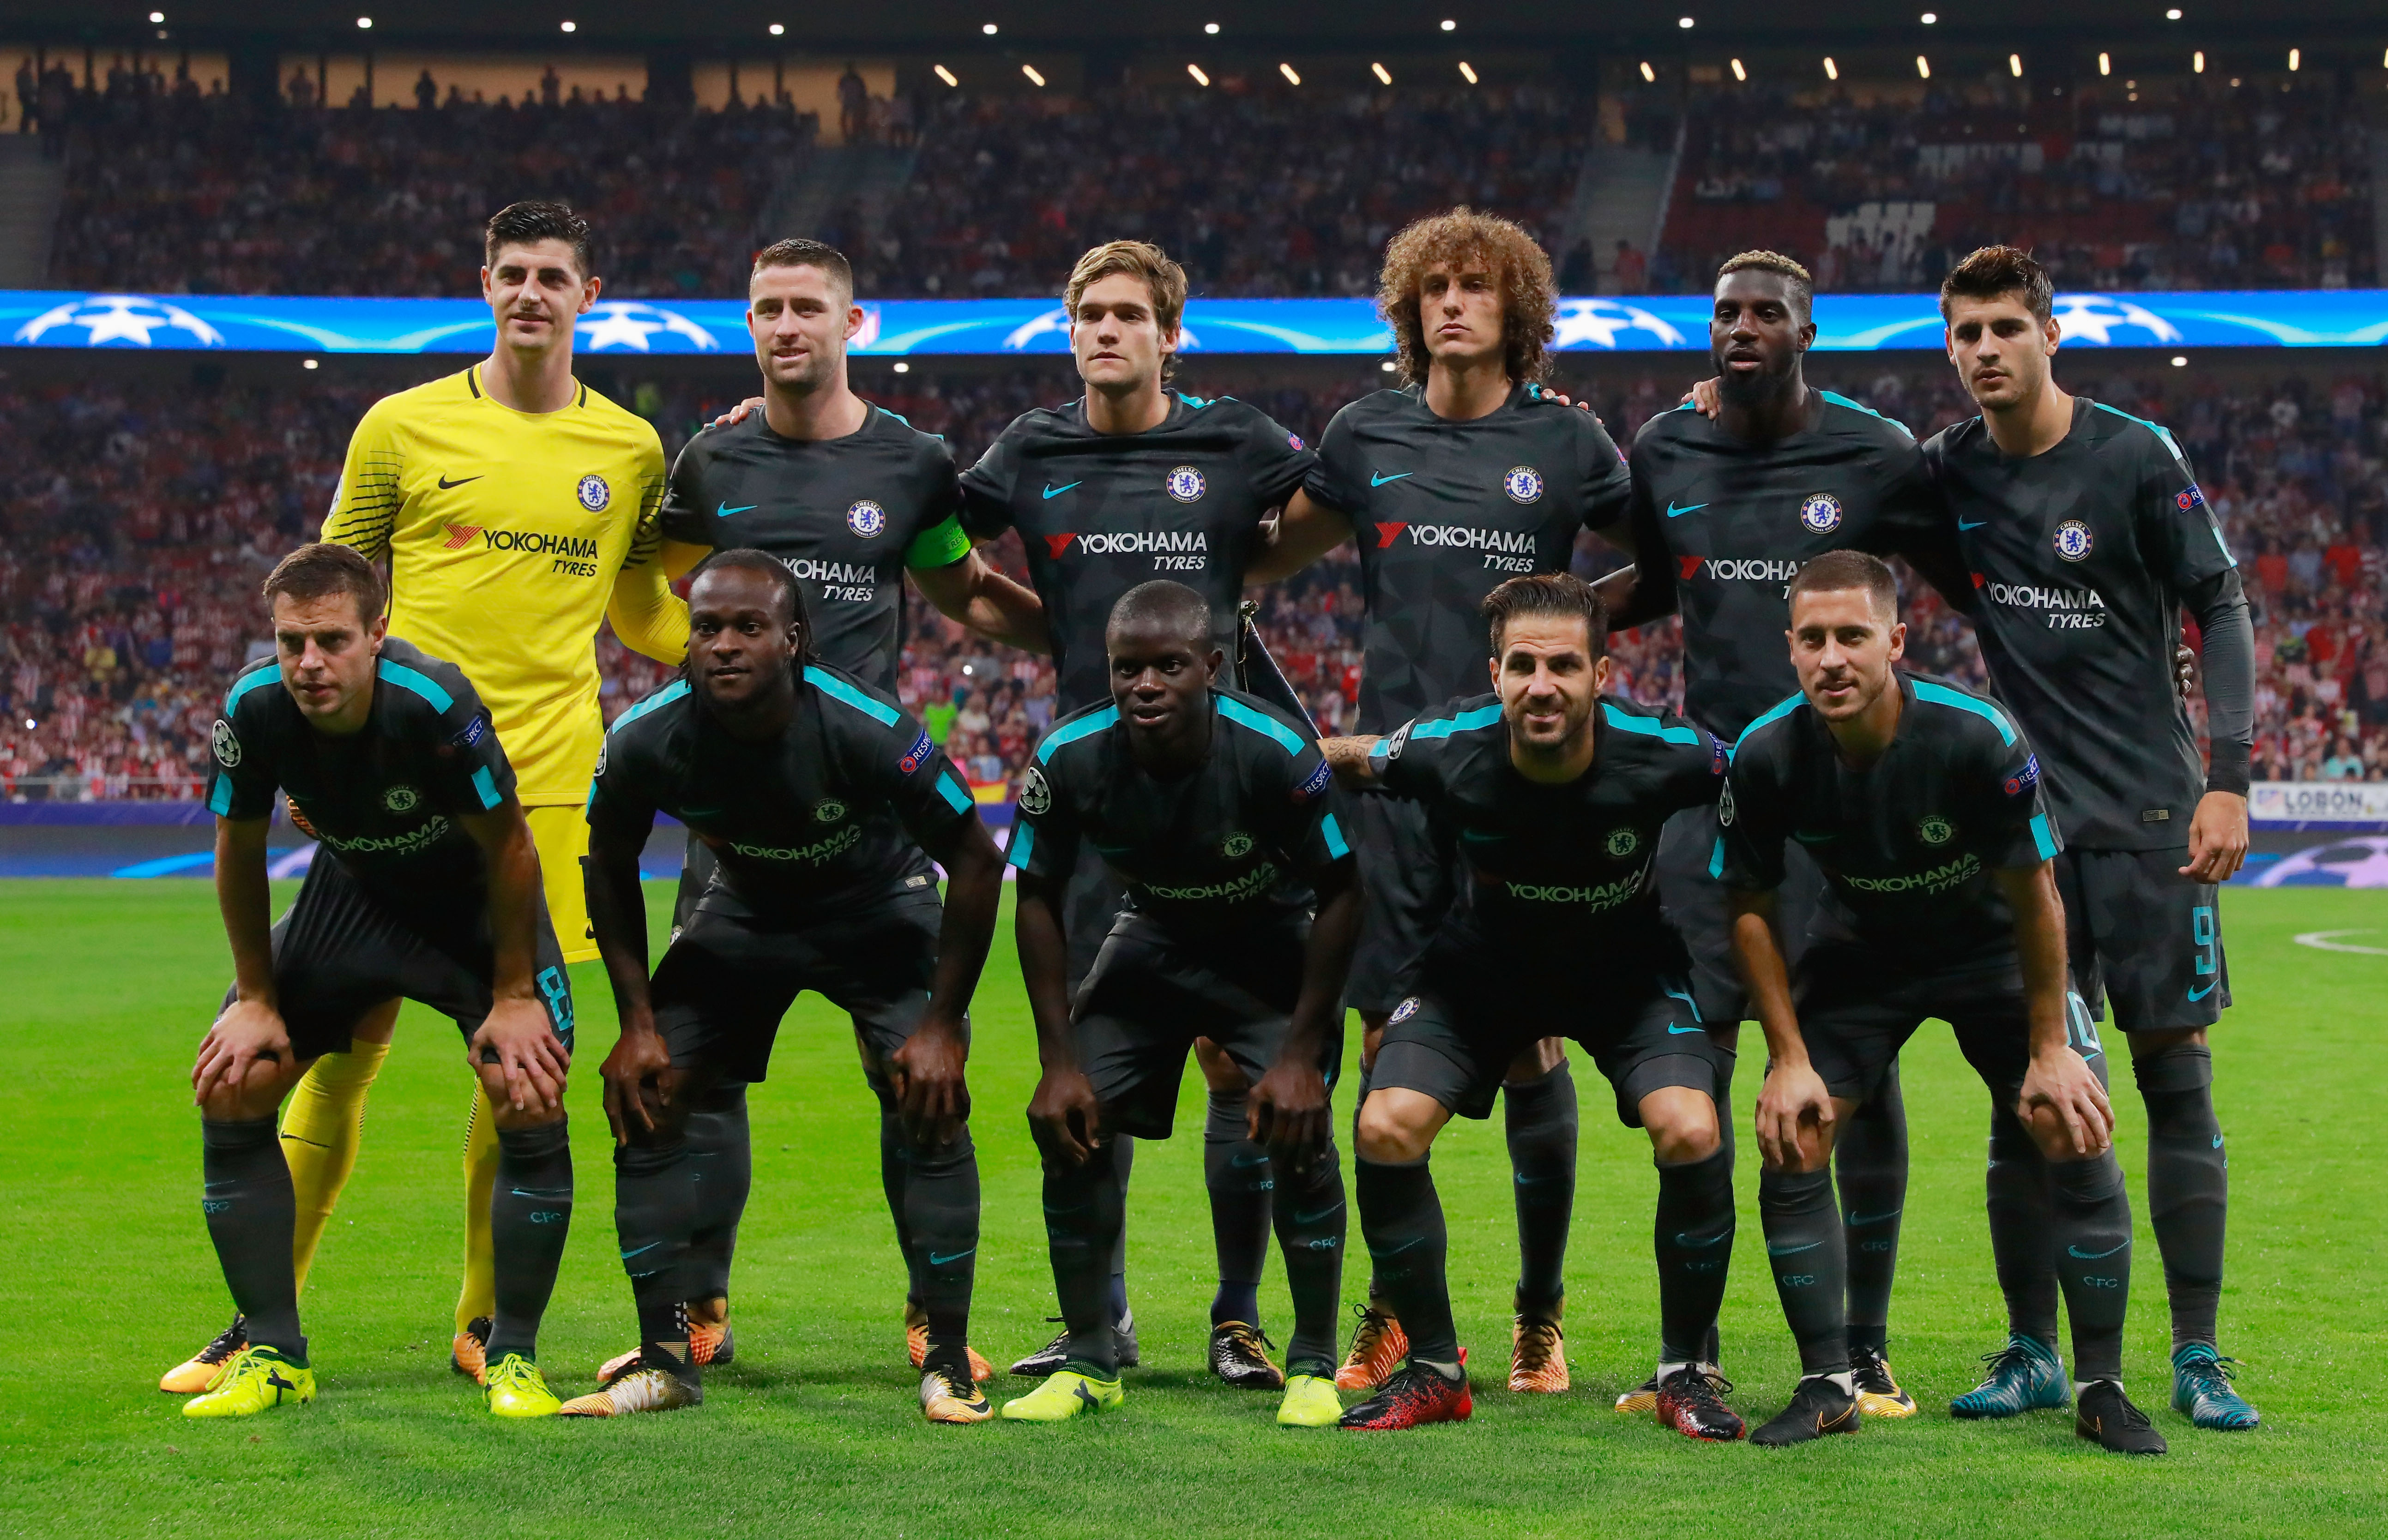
917, 754
1317, 785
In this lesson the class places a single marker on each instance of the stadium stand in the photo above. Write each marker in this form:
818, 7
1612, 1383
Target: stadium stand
135, 522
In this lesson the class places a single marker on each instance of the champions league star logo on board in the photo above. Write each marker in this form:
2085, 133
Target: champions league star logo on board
2096, 317
619, 323
1596, 323
119, 319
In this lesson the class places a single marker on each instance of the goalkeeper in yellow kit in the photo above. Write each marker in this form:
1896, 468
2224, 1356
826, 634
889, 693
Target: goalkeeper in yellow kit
516, 508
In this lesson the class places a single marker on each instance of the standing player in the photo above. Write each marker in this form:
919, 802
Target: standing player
1130, 482
515, 506
1556, 795
426, 887
849, 497
1725, 512
1470, 474
2087, 536
1211, 808
1922, 805
819, 796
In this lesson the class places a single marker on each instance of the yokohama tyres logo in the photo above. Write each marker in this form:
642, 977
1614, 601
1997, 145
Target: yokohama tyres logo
1515, 542
1738, 569
1132, 542
459, 536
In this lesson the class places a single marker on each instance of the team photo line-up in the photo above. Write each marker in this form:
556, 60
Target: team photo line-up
1504, 857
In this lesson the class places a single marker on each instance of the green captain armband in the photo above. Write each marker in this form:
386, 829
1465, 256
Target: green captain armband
941, 545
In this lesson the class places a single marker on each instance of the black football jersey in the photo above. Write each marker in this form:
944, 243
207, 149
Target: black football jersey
1723, 526
827, 816
1099, 513
1236, 840
1555, 878
384, 799
1907, 843
847, 515
1445, 512
2079, 558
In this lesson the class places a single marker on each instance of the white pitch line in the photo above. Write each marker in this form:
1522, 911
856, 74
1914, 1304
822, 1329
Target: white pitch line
2326, 941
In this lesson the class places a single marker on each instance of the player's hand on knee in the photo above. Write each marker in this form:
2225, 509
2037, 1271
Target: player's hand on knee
529, 1057
1794, 1115
1064, 1117
1287, 1111
249, 1037
740, 412
932, 1088
637, 1068
2062, 1102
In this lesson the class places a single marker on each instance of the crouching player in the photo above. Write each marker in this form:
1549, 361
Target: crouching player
1921, 803
817, 797
1213, 809
1555, 796
425, 887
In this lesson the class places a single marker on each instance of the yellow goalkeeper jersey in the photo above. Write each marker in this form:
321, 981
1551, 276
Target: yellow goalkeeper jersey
509, 535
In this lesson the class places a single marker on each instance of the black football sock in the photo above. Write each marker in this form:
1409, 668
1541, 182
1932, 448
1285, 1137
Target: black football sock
892, 1174
654, 1199
2092, 1242
1240, 1176
251, 1218
1540, 1120
1870, 1163
1803, 1251
1083, 1208
1374, 1294
1311, 1215
2189, 1183
1122, 1155
941, 1205
531, 1213
2022, 1215
1693, 1232
663, 1340
721, 1154
1711, 1346
1401, 1216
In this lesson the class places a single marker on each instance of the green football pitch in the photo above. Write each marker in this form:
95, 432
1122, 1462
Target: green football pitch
109, 1278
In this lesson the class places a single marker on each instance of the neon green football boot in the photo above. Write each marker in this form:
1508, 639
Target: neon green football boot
516, 1388
1064, 1394
1310, 1402
256, 1380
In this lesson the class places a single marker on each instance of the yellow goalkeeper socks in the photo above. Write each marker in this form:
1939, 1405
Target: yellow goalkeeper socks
479, 1294
321, 1129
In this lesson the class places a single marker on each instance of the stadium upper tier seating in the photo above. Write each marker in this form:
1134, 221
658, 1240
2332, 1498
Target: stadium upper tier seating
136, 524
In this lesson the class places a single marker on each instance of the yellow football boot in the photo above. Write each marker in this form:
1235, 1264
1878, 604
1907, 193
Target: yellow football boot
1064, 1394
516, 1388
255, 1380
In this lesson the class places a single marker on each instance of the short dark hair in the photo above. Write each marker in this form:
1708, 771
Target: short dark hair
1549, 593
1164, 603
798, 252
1996, 270
315, 572
1838, 571
748, 558
1797, 279
535, 219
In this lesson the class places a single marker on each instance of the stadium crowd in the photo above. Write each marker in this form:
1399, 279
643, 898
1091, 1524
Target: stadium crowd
136, 523
2203, 185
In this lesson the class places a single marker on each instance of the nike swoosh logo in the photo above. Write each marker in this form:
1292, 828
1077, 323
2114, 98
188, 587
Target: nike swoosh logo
2217, 1141
724, 510
649, 1246
1875, 1218
2200, 994
1314, 1218
1792, 1251
2093, 1255
1376, 480
1247, 1160
1975, 525
1685, 1238
1053, 491
445, 485
1682, 1031
937, 1261
1674, 512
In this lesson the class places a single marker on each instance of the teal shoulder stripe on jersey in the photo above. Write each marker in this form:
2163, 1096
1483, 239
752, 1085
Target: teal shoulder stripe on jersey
2161, 432
1381, 748
421, 684
2040, 837
220, 795
1774, 713
1023, 842
956, 796
1716, 858
1465, 722
1069, 733
2225, 544
897, 415
485, 784
1941, 695
1335, 843
838, 689
247, 682
1260, 722
1840, 400
1648, 727
656, 702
